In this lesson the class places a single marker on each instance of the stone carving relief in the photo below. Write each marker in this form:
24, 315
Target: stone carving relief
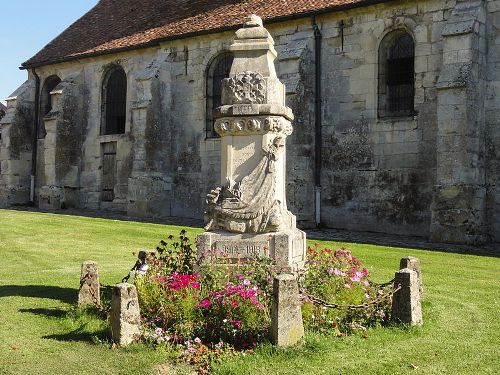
247, 88
249, 206
254, 125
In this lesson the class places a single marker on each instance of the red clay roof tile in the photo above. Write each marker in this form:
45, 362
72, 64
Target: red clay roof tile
114, 25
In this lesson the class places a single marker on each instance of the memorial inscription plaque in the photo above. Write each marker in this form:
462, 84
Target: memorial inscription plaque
242, 249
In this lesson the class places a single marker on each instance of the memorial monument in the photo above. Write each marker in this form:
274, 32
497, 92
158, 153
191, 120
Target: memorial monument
247, 215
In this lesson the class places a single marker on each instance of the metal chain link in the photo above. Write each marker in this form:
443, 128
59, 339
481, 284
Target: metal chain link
320, 302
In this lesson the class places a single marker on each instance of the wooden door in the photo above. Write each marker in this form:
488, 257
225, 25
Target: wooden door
108, 171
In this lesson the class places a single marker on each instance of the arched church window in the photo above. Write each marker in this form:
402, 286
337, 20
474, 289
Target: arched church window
217, 71
46, 102
114, 102
396, 76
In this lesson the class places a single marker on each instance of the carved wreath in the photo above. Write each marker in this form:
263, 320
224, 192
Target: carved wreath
248, 88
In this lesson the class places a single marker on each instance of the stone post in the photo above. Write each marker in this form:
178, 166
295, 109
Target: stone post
413, 264
287, 327
247, 215
406, 307
125, 314
89, 293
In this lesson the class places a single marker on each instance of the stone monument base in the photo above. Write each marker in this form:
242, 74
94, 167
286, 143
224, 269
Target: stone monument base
287, 248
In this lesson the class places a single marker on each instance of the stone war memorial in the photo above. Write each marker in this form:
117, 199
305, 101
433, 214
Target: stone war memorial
247, 215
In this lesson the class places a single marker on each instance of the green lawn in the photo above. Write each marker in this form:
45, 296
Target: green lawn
39, 333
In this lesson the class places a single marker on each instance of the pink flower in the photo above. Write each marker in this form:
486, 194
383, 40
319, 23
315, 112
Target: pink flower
355, 278
195, 285
237, 323
158, 331
366, 283
234, 304
219, 345
205, 304
197, 340
347, 286
246, 282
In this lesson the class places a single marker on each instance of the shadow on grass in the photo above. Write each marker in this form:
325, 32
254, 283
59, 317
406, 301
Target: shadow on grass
401, 241
80, 335
51, 313
87, 330
66, 295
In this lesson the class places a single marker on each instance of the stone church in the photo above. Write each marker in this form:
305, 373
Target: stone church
3, 109
396, 108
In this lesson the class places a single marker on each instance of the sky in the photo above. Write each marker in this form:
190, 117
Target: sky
25, 28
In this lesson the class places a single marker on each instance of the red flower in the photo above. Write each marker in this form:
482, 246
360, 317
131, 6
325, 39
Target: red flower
237, 323
205, 304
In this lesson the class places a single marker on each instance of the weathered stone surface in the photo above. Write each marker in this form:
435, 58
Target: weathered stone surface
287, 327
459, 205
287, 248
16, 129
413, 264
252, 198
247, 217
90, 291
125, 314
377, 174
406, 304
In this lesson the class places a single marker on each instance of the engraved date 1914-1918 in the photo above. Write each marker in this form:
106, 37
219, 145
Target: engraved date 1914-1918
238, 249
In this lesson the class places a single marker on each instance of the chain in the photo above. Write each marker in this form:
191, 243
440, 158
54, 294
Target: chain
320, 302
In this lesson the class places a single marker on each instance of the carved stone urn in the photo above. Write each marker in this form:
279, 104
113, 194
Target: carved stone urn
247, 215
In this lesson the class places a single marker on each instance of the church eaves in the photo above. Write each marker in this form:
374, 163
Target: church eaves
120, 25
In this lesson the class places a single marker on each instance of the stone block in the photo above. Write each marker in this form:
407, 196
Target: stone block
89, 293
125, 314
288, 248
50, 198
287, 327
413, 264
406, 306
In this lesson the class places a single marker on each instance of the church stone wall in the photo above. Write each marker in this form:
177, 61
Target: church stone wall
377, 174
492, 119
384, 175
16, 146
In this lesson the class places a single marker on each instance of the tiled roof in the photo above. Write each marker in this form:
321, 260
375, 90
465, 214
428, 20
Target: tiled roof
114, 25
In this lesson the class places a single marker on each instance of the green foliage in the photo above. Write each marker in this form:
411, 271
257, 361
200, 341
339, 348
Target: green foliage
224, 302
177, 255
39, 281
336, 277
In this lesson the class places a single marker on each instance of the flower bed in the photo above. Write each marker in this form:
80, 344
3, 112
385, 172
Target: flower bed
337, 277
208, 305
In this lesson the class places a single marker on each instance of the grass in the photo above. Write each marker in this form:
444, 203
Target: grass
41, 333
